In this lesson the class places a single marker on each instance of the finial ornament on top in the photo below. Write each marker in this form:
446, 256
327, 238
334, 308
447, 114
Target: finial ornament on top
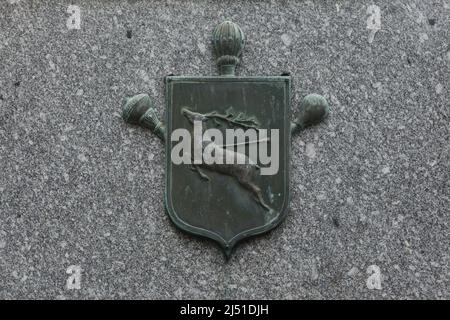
228, 41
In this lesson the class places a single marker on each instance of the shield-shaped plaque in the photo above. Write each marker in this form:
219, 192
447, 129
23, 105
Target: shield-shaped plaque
230, 201
227, 145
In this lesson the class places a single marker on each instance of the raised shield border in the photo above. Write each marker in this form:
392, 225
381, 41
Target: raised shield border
227, 246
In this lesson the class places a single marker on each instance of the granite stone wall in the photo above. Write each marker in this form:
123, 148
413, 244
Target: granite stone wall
81, 192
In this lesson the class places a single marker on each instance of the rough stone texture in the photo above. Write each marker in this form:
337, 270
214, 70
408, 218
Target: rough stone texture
78, 186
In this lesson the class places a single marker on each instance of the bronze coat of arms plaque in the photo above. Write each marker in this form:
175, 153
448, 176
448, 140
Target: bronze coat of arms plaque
227, 142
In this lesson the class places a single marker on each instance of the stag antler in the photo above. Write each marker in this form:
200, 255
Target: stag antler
240, 119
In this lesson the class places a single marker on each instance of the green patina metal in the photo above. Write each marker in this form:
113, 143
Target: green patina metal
226, 203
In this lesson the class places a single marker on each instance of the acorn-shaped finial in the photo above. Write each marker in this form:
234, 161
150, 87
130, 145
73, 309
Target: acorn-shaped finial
228, 42
135, 107
313, 109
139, 110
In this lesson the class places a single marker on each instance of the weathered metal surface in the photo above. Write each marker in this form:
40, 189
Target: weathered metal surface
226, 207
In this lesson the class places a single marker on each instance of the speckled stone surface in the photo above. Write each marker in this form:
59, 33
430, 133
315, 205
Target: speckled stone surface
79, 187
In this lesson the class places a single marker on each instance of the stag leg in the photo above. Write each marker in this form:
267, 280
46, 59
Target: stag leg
256, 191
200, 172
